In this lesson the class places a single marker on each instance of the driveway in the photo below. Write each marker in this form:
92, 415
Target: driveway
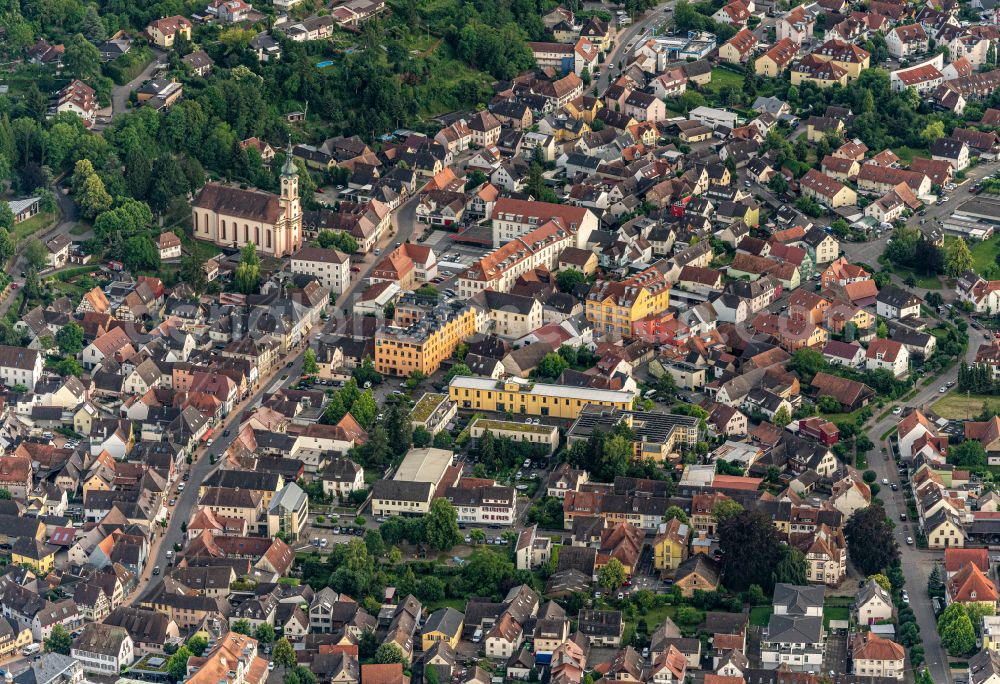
119, 94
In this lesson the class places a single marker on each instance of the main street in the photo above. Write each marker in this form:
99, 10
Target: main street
282, 376
631, 35
917, 564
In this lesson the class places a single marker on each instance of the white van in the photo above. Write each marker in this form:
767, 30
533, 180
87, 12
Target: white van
31, 649
478, 636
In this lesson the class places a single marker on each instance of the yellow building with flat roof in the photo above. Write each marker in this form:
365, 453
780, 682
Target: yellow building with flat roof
519, 397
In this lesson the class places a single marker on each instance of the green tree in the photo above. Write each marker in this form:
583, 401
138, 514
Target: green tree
6, 217
933, 131
264, 633
536, 186
5, 495
197, 645
612, 575
309, 365
141, 254
177, 664
36, 254
882, 330
283, 654
568, 280
782, 417
778, 184
68, 366
59, 641
389, 653
968, 454
247, 276
957, 257
243, 627
726, 509
192, 273
443, 440
958, 635
421, 436
458, 369
751, 548
70, 339
93, 198
441, 525
675, 512
551, 366
6, 244
792, 568
337, 240
870, 538
82, 59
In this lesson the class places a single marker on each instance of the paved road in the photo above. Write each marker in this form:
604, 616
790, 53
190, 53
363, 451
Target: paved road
916, 563
623, 38
119, 94
69, 218
282, 376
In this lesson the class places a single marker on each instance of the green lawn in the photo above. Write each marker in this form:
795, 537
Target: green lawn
759, 615
908, 153
984, 253
80, 229
38, 222
957, 405
457, 604
926, 282
723, 77
199, 248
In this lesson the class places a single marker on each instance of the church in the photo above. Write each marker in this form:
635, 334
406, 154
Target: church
231, 217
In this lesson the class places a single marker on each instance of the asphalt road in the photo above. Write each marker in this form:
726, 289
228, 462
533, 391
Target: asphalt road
283, 375
69, 218
916, 563
120, 94
623, 38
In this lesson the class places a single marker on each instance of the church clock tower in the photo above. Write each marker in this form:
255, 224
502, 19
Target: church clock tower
290, 202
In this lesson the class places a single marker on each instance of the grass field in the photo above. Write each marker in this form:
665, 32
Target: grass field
80, 229
40, 221
457, 604
957, 405
759, 615
723, 77
984, 253
908, 153
836, 608
927, 282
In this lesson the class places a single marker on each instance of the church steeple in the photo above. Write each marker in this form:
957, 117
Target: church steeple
292, 238
289, 168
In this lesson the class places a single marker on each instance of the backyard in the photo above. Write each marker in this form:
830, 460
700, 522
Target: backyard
759, 615
836, 608
37, 223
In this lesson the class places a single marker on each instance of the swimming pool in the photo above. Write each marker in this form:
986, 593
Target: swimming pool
325, 63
